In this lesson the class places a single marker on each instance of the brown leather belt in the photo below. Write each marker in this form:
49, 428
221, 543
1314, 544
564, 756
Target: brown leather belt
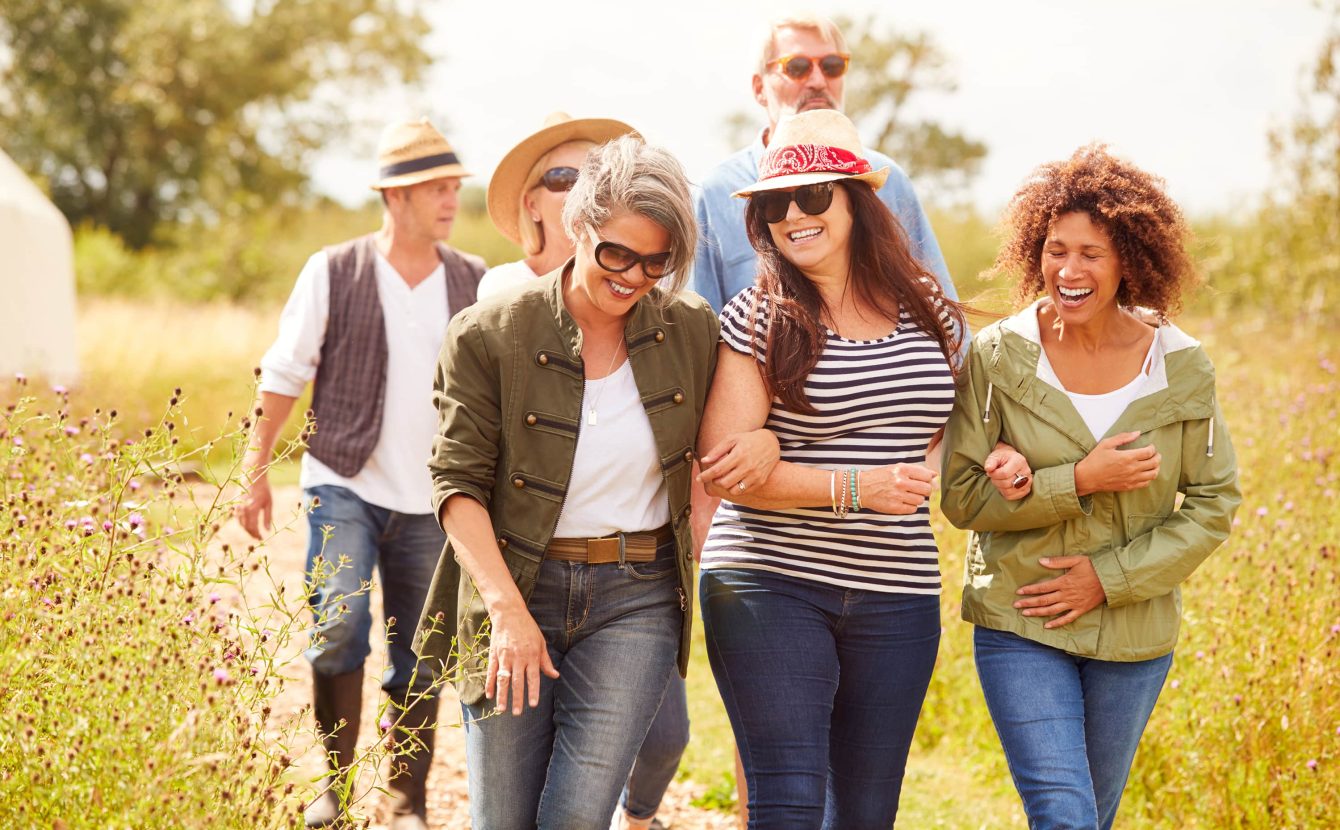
637, 547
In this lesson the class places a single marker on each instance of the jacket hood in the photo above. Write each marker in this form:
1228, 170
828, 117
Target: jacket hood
1179, 386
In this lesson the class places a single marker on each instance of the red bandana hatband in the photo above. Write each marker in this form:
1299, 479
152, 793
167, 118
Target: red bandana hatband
811, 158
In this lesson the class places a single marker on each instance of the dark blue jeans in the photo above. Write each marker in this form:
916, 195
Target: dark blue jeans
823, 686
658, 759
1069, 725
613, 634
404, 548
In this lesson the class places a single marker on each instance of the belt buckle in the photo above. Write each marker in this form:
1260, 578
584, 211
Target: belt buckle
604, 550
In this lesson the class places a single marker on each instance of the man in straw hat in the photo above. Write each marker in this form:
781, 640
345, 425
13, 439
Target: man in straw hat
365, 323
802, 67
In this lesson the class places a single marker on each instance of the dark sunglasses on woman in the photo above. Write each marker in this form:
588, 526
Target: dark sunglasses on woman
616, 258
797, 67
814, 199
559, 179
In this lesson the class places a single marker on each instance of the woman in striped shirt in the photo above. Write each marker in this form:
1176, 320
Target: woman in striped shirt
820, 583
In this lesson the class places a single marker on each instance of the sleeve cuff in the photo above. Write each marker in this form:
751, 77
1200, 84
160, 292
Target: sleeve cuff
1113, 579
1058, 484
448, 489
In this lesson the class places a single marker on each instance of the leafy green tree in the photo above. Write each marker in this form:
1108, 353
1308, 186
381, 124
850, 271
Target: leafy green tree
140, 112
889, 68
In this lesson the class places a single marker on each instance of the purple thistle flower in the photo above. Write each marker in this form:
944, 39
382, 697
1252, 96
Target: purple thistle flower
134, 484
135, 519
71, 524
86, 458
1176, 684
1312, 763
71, 429
60, 390
1335, 629
213, 598
385, 723
221, 675
107, 526
1262, 511
188, 619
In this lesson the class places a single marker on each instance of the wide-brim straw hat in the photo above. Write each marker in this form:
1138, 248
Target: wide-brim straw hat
508, 180
411, 152
812, 147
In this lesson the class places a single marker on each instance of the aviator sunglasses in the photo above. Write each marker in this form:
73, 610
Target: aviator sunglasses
797, 67
559, 179
616, 258
813, 199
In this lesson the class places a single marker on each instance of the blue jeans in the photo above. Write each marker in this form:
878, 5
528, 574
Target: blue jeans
404, 547
1069, 725
658, 759
823, 686
613, 634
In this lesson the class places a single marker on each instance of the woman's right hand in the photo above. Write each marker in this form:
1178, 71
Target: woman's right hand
517, 655
1107, 469
896, 490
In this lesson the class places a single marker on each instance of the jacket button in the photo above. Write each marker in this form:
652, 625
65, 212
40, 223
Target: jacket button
531, 419
543, 359
688, 455
688, 511
502, 544
679, 397
660, 336
518, 482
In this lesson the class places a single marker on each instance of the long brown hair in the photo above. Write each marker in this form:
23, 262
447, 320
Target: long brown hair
884, 274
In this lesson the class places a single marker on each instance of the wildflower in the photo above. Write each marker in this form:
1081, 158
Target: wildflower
1262, 511
71, 524
107, 525
1200, 655
1237, 698
221, 676
1312, 763
71, 429
385, 723
213, 598
60, 390
134, 484
1335, 629
1176, 684
85, 458
188, 619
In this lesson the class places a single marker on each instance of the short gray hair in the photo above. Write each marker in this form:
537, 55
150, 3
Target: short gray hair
627, 175
826, 29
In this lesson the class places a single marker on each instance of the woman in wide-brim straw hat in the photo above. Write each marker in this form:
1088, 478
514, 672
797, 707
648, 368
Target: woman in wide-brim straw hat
527, 192
820, 586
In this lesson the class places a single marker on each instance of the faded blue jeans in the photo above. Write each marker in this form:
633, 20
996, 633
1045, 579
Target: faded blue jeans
823, 686
658, 759
1069, 725
404, 548
613, 634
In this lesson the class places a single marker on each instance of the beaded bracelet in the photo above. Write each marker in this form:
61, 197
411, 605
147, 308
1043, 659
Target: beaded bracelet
856, 489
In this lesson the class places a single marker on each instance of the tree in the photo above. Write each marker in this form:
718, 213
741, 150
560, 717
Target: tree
137, 112
888, 69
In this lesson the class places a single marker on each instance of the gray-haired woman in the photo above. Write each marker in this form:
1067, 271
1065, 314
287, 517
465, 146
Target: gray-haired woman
562, 475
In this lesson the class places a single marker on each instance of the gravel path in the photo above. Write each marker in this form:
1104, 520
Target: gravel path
448, 802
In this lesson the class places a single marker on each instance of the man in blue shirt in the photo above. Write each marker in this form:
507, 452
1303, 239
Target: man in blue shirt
815, 47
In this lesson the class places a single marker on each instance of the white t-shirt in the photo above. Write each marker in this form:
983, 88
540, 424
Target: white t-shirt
1100, 412
396, 475
499, 278
616, 482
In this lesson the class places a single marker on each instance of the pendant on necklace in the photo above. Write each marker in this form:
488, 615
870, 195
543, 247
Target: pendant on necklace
591, 416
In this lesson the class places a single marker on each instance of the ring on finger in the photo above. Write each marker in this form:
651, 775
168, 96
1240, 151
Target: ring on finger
504, 675
740, 487
1019, 480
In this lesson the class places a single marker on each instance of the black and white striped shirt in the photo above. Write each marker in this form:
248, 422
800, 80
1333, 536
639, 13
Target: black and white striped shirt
879, 402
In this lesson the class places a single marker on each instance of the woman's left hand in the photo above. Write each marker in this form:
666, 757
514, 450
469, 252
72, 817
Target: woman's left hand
742, 460
1071, 595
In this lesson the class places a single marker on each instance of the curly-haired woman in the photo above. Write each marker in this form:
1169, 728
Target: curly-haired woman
1074, 588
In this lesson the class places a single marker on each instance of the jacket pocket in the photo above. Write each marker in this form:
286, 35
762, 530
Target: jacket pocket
663, 400
530, 483
1138, 524
552, 424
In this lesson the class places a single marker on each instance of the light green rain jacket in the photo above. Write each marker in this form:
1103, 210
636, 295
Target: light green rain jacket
1142, 543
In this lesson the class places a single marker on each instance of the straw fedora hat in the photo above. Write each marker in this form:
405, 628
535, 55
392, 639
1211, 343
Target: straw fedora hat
510, 177
812, 147
410, 152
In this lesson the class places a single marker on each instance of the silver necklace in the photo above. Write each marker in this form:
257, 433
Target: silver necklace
592, 416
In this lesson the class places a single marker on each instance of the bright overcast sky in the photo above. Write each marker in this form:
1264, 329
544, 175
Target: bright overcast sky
1185, 88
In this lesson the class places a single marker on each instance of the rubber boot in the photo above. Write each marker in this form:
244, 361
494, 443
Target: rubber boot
337, 702
411, 759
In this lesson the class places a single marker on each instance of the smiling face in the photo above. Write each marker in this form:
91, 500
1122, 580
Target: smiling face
597, 294
779, 94
1080, 269
817, 245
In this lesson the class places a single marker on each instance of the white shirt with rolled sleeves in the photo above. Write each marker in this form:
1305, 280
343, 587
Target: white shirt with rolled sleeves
395, 476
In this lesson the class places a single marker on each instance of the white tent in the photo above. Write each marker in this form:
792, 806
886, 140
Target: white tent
37, 318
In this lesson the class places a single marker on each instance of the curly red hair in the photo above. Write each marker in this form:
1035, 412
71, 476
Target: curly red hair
1145, 224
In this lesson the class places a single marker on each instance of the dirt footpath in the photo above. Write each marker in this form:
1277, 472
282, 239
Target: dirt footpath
448, 801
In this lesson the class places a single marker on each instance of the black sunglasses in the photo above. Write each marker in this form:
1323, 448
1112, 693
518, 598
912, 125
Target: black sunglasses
798, 67
559, 179
616, 258
814, 199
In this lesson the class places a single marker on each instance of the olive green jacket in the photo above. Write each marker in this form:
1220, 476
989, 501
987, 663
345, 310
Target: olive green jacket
1142, 544
508, 390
